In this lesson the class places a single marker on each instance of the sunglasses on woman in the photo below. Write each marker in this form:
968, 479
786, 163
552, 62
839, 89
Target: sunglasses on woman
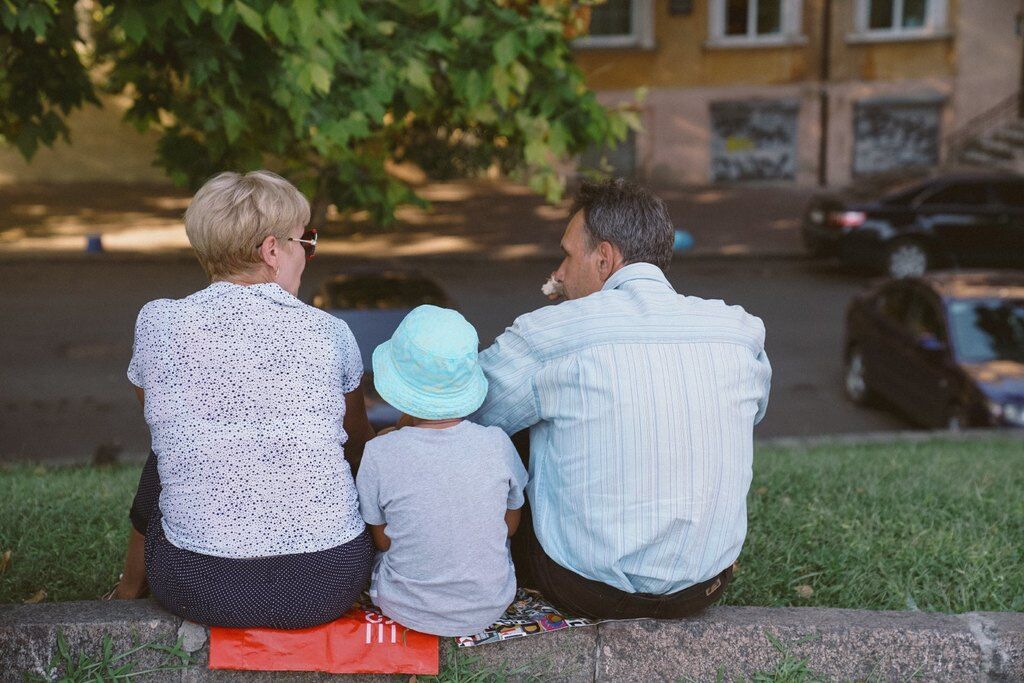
308, 242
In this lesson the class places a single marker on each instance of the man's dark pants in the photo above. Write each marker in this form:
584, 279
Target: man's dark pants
580, 596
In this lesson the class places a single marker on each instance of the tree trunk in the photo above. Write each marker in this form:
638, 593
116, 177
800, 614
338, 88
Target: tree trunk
321, 200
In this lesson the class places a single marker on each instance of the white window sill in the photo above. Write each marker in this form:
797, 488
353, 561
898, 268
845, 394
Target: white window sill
612, 43
896, 36
741, 42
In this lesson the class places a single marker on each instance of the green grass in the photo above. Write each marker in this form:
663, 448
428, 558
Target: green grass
936, 526
933, 526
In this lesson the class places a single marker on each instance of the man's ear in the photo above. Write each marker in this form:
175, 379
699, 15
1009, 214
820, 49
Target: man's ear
609, 259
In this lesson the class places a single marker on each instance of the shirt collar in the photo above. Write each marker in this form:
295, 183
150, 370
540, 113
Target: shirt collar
266, 290
636, 271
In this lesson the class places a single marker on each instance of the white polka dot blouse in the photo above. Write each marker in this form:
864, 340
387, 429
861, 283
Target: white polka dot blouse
245, 398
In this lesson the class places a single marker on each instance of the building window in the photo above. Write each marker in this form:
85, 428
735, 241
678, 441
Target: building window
753, 140
737, 23
890, 134
899, 19
620, 23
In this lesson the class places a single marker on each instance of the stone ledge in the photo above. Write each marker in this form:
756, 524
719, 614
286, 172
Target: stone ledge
728, 641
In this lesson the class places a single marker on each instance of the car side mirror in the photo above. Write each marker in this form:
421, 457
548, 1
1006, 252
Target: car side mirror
931, 344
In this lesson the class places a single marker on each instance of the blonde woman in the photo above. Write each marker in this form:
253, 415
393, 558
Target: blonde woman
246, 513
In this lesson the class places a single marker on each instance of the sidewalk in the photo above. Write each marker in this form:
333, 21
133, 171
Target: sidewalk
489, 219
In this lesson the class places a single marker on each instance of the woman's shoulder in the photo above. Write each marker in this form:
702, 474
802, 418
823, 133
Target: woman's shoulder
157, 309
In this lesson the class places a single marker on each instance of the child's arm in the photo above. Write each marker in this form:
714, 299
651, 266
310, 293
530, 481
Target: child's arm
512, 520
381, 540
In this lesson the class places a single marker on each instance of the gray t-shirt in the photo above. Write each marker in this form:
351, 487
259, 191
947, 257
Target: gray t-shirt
443, 494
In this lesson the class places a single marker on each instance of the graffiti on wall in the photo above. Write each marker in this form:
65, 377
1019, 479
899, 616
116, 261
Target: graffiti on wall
754, 140
895, 134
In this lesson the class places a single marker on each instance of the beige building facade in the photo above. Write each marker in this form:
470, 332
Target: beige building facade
735, 88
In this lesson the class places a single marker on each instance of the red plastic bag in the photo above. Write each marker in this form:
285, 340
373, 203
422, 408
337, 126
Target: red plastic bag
362, 641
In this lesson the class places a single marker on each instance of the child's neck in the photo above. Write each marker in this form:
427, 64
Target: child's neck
435, 424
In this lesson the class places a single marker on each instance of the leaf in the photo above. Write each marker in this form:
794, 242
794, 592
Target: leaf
5, 561
386, 28
278, 20
134, 25
193, 10
474, 89
536, 152
505, 49
804, 591
471, 28
305, 14
214, 6
320, 77
225, 22
233, 124
417, 74
520, 77
250, 17
37, 597
502, 83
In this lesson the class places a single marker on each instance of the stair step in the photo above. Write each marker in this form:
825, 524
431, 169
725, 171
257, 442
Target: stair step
978, 158
1017, 125
1009, 136
993, 148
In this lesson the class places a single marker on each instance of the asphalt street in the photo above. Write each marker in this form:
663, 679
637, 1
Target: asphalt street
66, 326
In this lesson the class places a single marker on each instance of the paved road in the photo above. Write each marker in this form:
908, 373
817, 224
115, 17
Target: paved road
66, 331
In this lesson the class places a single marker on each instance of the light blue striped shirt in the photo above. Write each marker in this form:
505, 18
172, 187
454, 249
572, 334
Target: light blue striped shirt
641, 405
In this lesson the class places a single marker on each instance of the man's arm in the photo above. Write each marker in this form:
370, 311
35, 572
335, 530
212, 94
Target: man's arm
511, 367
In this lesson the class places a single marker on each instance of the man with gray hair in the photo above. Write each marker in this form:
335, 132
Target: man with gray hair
641, 404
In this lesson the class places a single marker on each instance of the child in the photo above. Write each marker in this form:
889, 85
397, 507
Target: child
442, 496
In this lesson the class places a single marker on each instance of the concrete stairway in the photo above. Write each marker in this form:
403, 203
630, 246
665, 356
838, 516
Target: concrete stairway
1000, 148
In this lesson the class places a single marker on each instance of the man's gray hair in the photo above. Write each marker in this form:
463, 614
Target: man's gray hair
628, 216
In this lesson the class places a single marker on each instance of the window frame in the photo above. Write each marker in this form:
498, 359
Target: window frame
790, 26
935, 24
641, 36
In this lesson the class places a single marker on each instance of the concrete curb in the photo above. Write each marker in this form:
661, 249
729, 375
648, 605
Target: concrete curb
837, 644
903, 436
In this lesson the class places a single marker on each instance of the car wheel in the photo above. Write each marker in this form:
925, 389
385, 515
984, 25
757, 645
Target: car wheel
856, 385
956, 419
906, 259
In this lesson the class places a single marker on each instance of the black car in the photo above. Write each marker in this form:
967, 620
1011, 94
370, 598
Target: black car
974, 220
373, 303
946, 349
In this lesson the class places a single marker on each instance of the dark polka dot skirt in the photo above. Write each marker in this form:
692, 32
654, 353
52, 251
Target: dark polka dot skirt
284, 591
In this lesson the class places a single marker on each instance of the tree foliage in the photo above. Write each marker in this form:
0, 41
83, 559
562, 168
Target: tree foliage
325, 91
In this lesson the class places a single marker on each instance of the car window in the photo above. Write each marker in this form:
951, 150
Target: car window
1009, 194
988, 329
903, 193
373, 292
923, 318
972, 194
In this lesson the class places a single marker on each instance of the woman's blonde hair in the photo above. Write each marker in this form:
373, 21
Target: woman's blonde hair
232, 214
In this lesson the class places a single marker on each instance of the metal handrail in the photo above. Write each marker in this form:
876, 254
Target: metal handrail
1002, 112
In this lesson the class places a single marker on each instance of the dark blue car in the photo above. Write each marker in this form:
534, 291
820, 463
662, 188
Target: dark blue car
945, 349
373, 303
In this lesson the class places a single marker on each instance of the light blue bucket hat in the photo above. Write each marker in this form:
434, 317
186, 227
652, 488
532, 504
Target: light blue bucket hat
429, 368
